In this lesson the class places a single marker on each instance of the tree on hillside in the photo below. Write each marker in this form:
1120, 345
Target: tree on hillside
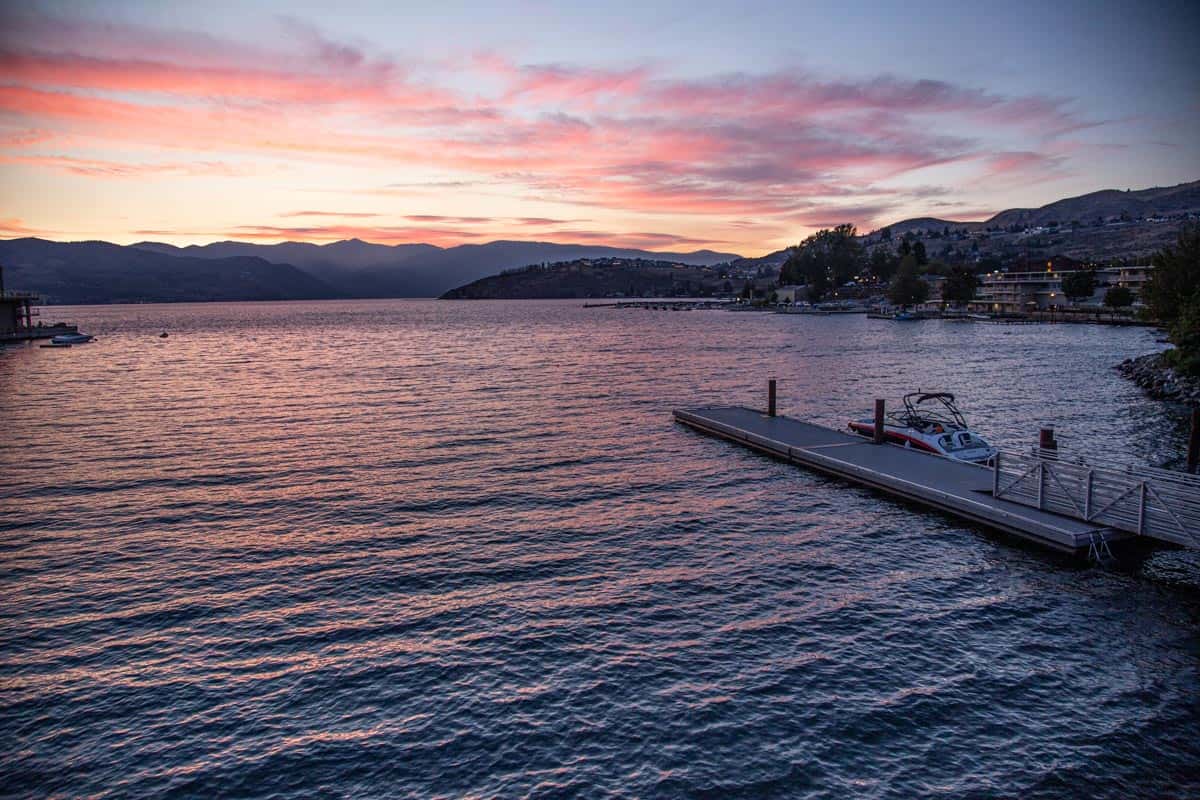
828, 257
918, 250
1079, 285
960, 286
989, 264
1118, 297
907, 287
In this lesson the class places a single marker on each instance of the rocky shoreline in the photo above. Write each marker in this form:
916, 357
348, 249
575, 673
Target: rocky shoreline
1159, 380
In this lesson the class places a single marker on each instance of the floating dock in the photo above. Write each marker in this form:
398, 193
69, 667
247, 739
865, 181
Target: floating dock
955, 487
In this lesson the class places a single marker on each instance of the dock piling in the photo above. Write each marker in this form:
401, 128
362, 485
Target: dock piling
877, 434
1047, 444
771, 397
1193, 453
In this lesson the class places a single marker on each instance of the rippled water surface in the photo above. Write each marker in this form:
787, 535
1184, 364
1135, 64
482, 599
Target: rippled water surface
415, 548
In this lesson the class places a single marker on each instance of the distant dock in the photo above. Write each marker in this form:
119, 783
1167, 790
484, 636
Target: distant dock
37, 332
664, 305
17, 310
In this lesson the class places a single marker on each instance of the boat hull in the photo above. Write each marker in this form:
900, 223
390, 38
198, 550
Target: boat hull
72, 338
925, 442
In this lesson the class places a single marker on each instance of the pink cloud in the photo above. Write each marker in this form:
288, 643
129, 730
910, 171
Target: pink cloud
787, 147
17, 227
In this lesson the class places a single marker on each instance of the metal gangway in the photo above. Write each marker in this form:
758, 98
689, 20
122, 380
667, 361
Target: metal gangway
1158, 503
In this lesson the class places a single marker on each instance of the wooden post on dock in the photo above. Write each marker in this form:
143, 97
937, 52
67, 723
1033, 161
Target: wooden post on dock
1047, 444
771, 397
1193, 455
877, 434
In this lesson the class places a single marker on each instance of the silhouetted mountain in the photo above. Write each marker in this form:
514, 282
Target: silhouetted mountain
336, 263
771, 260
362, 269
99, 272
597, 277
432, 274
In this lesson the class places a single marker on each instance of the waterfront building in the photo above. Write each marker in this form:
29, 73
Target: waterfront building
1041, 290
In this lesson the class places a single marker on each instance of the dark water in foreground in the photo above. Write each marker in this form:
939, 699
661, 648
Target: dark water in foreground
390, 549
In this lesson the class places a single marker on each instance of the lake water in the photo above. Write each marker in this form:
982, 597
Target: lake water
428, 549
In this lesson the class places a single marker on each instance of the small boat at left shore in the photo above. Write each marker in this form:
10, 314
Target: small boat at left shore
72, 338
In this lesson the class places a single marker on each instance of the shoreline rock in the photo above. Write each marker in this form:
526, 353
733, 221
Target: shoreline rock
1159, 380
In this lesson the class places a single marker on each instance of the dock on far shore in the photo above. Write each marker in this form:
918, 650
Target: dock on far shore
17, 312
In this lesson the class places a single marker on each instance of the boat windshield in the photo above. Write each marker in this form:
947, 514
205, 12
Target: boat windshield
961, 440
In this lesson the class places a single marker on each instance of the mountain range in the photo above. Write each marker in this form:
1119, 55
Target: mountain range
80, 273
1100, 225
100, 272
362, 269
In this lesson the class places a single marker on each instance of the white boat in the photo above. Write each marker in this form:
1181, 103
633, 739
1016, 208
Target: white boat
931, 422
72, 338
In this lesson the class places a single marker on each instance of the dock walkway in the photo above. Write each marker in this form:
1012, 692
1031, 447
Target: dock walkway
955, 487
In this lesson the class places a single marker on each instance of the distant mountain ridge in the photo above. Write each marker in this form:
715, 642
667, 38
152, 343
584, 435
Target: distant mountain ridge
78, 273
1104, 225
364, 269
1105, 204
345, 254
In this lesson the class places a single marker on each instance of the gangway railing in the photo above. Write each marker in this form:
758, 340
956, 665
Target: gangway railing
1158, 503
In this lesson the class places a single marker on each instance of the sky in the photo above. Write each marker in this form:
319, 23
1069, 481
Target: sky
740, 127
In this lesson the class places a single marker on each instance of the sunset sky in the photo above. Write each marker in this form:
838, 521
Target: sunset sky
679, 125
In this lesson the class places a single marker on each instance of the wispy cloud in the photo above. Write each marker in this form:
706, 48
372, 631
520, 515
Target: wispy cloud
337, 214
98, 168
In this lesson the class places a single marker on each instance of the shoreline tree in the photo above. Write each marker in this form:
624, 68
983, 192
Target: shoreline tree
883, 263
907, 288
830, 257
960, 286
1172, 297
1118, 297
1080, 285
